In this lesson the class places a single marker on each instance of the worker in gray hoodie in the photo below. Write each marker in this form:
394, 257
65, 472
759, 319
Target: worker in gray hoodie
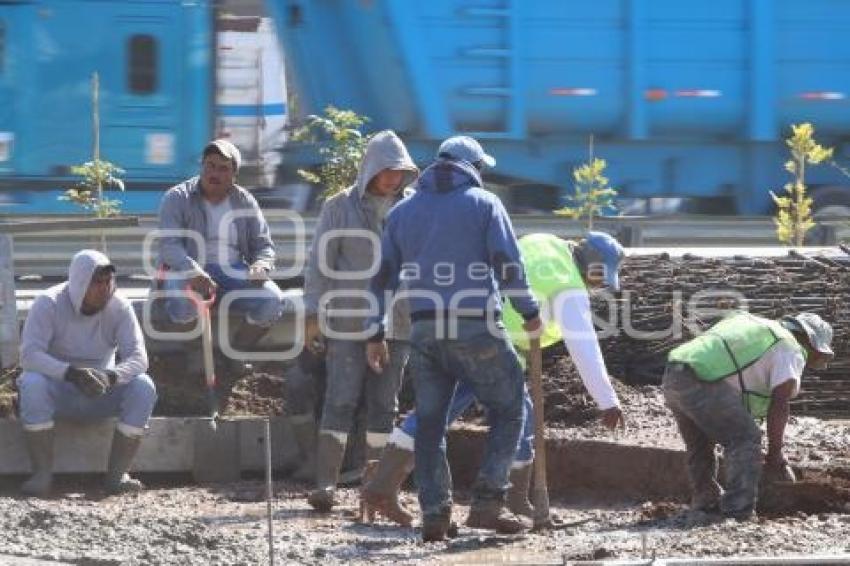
343, 259
69, 344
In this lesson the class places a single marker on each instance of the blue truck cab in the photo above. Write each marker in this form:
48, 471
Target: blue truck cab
154, 60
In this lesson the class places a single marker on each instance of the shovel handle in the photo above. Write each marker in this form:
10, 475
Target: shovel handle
540, 493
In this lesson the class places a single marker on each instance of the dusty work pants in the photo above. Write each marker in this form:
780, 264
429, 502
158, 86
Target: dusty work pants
349, 377
709, 414
42, 399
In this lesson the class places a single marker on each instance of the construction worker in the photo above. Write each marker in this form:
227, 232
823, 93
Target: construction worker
215, 239
452, 245
68, 348
744, 366
560, 273
335, 281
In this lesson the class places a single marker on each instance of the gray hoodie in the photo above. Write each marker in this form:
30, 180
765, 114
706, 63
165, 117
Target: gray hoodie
56, 334
355, 209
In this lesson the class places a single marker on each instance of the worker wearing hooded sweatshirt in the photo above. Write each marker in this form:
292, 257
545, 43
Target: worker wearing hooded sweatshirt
345, 249
560, 274
744, 366
452, 246
69, 343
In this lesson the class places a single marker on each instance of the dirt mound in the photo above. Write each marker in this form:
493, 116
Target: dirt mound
816, 491
258, 393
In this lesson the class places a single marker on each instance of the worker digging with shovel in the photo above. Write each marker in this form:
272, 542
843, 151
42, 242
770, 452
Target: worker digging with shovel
560, 273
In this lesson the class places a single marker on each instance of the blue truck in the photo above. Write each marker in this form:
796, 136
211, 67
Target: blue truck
172, 74
684, 99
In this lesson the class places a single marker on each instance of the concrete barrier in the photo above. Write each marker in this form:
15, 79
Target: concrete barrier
173, 444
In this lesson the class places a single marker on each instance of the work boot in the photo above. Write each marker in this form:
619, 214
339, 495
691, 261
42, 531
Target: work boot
304, 427
491, 514
121, 456
40, 448
328, 461
436, 527
246, 337
518, 502
380, 493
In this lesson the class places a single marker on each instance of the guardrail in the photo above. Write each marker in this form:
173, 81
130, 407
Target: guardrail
47, 254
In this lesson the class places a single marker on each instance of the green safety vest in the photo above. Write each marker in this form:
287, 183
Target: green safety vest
550, 269
729, 347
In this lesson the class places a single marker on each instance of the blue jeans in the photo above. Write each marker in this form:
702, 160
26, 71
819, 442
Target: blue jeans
462, 400
489, 365
708, 414
42, 399
262, 309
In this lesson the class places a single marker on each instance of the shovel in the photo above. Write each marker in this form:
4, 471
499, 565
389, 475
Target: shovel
540, 492
204, 306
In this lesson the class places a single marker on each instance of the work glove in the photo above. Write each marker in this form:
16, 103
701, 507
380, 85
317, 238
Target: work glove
92, 382
203, 285
313, 339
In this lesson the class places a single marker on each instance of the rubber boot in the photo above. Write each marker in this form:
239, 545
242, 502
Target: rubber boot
328, 461
246, 337
437, 527
40, 448
380, 492
121, 456
491, 514
518, 502
304, 428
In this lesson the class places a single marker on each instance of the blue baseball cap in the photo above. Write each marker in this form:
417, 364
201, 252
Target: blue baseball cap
606, 250
465, 148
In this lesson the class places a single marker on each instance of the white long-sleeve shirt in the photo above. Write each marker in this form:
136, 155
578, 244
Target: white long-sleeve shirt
571, 309
57, 335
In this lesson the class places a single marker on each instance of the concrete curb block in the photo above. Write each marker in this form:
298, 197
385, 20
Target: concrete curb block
172, 444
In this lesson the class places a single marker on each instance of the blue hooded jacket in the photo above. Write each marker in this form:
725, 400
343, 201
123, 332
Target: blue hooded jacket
453, 245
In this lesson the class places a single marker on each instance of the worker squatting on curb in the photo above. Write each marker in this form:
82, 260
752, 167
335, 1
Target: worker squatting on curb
68, 347
216, 238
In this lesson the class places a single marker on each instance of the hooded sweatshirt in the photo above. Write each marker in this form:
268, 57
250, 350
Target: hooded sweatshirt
342, 263
57, 335
453, 240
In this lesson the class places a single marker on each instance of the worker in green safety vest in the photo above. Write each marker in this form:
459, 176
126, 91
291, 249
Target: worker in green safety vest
559, 274
744, 366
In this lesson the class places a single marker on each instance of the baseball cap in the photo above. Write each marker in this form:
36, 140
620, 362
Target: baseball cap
227, 149
604, 249
465, 148
817, 329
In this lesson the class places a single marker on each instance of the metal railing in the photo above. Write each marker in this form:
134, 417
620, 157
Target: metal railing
47, 254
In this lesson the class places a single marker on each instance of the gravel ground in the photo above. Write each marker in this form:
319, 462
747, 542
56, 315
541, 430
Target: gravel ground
227, 525
175, 524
